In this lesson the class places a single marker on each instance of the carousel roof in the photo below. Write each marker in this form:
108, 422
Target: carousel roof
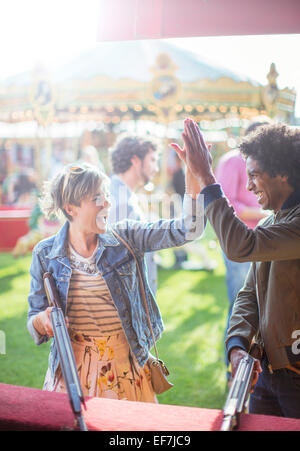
118, 60
116, 81
132, 59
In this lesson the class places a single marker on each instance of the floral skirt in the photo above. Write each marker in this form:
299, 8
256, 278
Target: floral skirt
107, 369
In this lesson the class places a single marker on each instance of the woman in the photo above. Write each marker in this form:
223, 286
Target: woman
96, 279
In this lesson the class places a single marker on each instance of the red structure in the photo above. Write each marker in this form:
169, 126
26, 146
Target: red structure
158, 19
24, 408
13, 224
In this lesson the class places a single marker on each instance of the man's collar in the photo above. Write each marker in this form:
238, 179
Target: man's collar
292, 200
119, 181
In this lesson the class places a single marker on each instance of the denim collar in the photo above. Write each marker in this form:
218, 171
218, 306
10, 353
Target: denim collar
292, 200
59, 247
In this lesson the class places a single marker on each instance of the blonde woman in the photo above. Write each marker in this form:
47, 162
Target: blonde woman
96, 279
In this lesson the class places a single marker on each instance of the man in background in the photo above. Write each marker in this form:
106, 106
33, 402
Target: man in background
134, 164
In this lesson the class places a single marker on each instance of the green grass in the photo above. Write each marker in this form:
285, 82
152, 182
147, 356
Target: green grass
24, 363
193, 305
194, 308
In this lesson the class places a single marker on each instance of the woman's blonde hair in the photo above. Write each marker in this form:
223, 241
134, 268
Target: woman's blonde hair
71, 185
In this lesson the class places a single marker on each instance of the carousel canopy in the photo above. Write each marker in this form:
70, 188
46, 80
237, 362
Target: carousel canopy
150, 79
135, 60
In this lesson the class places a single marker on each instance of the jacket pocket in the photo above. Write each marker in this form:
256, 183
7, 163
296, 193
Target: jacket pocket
125, 269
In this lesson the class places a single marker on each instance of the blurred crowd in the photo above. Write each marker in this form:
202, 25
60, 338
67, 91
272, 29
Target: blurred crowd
21, 188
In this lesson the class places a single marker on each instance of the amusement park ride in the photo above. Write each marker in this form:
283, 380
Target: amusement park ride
166, 84
105, 86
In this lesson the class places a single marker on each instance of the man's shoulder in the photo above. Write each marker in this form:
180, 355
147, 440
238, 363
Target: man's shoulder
119, 189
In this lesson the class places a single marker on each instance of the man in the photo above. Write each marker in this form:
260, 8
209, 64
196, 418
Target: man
268, 306
134, 164
232, 176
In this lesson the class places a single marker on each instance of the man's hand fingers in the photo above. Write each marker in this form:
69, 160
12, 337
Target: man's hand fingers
200, 136
257, 370
195, 135
205, 149
192, 137
255, 379
187, 141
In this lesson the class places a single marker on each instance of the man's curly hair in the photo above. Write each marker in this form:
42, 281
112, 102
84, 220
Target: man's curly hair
276, 147
122, 153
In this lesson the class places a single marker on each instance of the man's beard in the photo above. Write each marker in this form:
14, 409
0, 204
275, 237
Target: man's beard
144, 177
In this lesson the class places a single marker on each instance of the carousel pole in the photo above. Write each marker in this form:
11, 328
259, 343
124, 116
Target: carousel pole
37, 155
48, 150
164, 163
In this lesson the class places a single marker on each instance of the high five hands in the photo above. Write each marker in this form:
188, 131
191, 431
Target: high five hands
195, 154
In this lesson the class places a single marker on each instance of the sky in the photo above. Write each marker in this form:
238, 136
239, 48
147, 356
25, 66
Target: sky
55, 31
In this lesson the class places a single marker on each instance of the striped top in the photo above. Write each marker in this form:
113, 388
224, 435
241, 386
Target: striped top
90, 308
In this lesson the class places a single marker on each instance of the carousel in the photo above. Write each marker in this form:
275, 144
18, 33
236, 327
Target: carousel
141, 87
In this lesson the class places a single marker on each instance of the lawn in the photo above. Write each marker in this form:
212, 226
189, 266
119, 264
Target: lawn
193, 306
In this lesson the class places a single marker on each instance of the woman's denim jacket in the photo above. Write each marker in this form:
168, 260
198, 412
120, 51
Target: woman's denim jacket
118, 268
